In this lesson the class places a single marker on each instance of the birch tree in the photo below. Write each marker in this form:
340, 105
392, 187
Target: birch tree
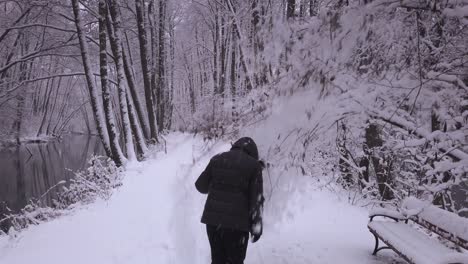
96, 106
122, 91
117, 153
142, 38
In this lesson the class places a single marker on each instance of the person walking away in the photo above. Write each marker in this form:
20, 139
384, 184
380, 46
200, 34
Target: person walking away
233, 208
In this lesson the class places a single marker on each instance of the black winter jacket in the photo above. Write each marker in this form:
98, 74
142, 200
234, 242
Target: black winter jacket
234, 184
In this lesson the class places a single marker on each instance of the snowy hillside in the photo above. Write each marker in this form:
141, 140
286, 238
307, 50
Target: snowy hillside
154, 218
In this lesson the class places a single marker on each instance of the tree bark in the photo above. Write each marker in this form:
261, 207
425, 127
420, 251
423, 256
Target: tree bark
291, 8
98, 116
117, 153
236, 24
313, 7
153, 49
222, 62
145, 69
136, 128
172, 72
122, 91
215, 53
162, 98
233, 76
134, 95
381, 163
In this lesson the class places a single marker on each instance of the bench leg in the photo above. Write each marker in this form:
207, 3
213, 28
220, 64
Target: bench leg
376, 248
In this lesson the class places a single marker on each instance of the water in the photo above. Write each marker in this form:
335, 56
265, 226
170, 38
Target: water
31, 170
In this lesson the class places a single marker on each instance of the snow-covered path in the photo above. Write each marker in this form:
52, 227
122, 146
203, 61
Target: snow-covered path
154, 218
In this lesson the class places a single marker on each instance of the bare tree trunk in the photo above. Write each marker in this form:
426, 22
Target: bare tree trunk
53, 106
60, 106
117, 52
42, 104
199, 55
153, 49
62, 111
380, 162
215, 53
233, 76
172, 72
236, 24
134, 94
46, 107
222, 62
302, 8
190, 83
84, 111
98, 116
161, 100
313, 7
291, 8
255, 40
136, 128
117, 153
145, 69
20, 106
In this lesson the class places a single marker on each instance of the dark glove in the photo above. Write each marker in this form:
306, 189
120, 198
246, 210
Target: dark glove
256, 232
262, 164
255, 238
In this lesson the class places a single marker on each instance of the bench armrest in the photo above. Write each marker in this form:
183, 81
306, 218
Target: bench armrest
395, 215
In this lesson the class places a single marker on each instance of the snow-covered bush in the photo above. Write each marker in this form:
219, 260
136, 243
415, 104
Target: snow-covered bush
98, 181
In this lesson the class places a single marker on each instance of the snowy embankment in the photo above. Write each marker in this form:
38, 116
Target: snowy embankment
154, 218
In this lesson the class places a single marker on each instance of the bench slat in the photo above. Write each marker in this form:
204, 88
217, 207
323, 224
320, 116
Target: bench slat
417, 247
442, 222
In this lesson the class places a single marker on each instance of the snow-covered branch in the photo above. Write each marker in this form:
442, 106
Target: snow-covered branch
453, 79
395, 120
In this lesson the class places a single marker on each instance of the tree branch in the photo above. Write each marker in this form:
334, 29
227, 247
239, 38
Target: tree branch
42, 25
8, 92
34, 54
16, 22
455, 154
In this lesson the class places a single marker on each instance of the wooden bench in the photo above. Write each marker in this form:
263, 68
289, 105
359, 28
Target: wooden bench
415, 246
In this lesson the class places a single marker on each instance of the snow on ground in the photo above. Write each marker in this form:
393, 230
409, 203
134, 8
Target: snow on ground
154, 218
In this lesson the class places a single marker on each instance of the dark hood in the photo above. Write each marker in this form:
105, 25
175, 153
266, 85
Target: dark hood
247, 145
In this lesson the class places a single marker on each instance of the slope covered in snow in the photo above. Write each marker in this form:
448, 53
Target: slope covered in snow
154, 218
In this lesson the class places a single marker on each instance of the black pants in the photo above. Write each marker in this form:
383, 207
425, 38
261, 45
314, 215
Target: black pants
228, 246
